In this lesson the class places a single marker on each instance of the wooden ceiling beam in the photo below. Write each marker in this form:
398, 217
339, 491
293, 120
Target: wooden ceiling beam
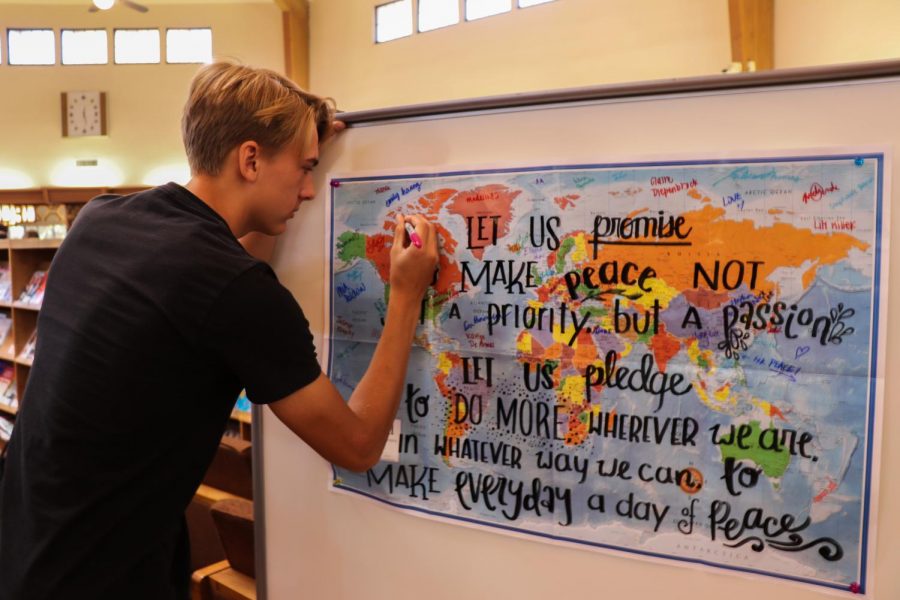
752, 33
299, 6
295, 21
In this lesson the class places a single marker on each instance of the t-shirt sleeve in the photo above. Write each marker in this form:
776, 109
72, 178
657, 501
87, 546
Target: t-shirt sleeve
257, 328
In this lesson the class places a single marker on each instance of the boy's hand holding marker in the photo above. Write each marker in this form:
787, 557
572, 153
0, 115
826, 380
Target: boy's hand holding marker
413, 263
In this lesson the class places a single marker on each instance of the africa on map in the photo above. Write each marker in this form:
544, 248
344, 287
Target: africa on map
676, 360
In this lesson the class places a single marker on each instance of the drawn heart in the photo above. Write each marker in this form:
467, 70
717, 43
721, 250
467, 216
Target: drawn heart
801, 350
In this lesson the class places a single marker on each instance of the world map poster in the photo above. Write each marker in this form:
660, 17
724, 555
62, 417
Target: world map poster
677, 360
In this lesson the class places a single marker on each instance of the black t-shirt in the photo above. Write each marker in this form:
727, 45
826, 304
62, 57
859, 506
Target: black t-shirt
154, 318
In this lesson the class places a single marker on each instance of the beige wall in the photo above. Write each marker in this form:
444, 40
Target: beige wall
561, 44
815, 32
572, 43
144, 101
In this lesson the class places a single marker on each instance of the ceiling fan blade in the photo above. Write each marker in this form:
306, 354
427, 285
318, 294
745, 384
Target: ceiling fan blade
135, 6
93, 8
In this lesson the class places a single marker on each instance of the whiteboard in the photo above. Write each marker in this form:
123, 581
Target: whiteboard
318, 544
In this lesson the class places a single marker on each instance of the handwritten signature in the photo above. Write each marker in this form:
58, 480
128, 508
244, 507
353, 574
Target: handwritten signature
350, 293
478, 319
404, 190
817, 192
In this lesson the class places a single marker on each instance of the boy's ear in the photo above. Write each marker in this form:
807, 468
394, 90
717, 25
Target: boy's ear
248, 155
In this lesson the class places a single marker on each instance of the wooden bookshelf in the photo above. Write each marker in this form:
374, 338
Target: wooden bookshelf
239, 415
241, 424
232, 584
26, 306
209, 495
8, 349
32, 244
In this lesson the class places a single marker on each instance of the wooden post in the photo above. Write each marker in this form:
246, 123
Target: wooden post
295, 20
752, 33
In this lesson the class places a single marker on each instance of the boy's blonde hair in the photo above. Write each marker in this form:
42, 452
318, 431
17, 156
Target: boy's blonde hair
230, 104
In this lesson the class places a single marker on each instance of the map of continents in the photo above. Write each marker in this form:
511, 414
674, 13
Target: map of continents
650, 350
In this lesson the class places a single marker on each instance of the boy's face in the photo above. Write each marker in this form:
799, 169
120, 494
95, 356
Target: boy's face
285, 181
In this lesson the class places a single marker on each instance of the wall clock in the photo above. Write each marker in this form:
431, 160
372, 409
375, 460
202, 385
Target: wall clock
83, 113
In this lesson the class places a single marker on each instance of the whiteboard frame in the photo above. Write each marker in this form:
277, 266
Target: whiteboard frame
806, 77
688, 85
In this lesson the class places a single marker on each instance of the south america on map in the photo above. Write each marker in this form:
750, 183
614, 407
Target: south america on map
676, 360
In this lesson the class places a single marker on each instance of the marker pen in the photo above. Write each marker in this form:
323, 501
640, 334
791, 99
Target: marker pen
413, 236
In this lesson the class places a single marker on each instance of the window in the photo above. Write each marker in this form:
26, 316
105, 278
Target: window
136, 46
31, 46
393, 20
434, 14
189, 45
84, 47
478, 9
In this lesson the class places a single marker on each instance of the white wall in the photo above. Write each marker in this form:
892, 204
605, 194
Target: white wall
144, 101
337, 547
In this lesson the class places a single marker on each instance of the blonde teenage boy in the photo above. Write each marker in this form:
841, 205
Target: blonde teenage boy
153, 308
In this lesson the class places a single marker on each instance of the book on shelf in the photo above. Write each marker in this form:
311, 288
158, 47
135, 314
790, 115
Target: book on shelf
34, 291
5, 284
6, 427
5, 327
8, 385
27, 352
11, 397
232, 429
